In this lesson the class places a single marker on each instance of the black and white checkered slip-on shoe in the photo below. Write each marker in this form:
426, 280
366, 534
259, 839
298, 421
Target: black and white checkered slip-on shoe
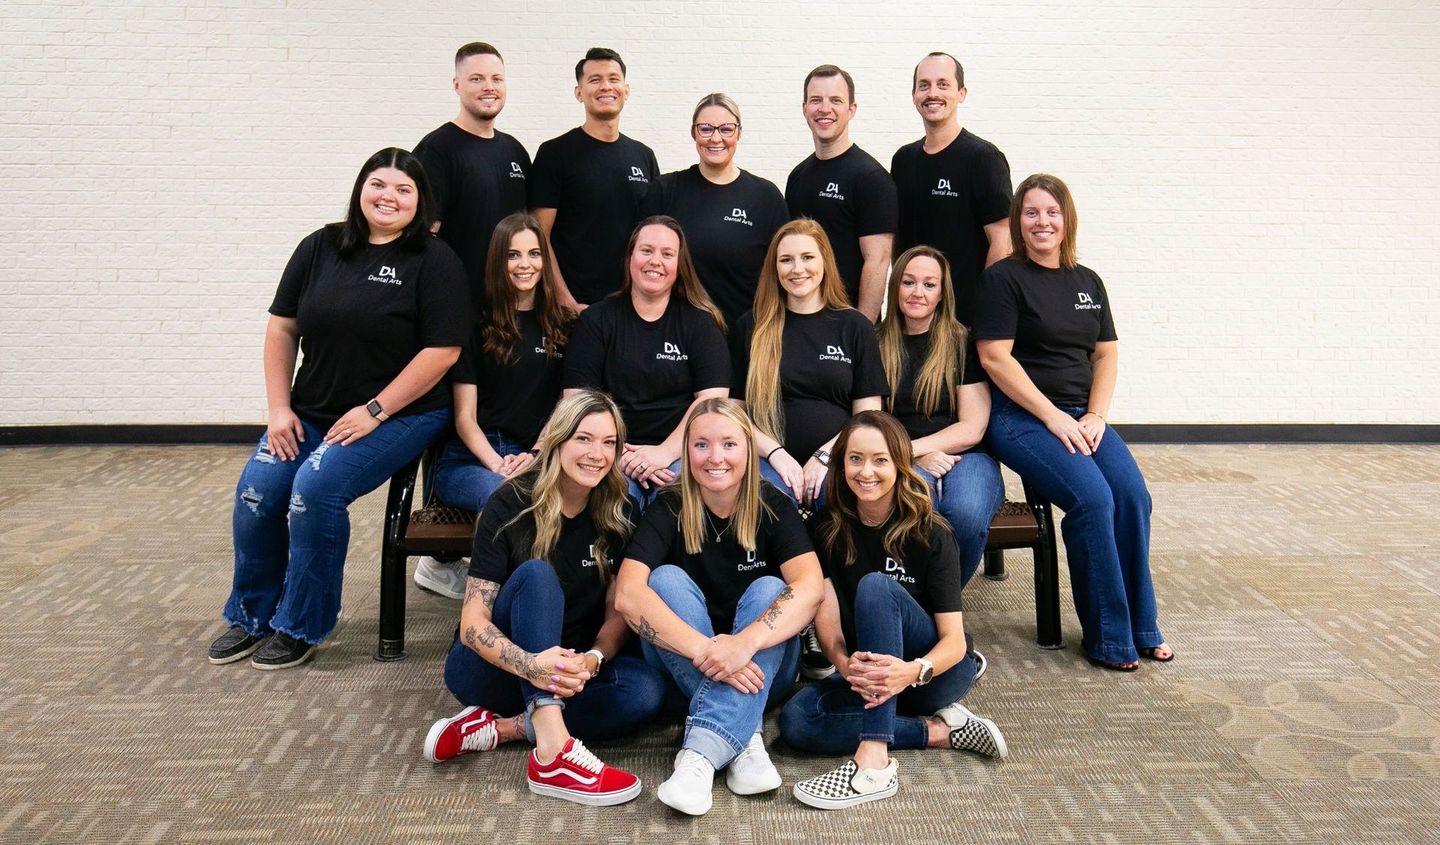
848, 786
969, 732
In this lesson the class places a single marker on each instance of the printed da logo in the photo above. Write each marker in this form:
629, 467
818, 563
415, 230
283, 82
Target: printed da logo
1086, 303
942, 189
895, 569
590, 561
515, 171
738, 215
637, 175
832, 191
672, 353
751, 562
385, 276
835, 353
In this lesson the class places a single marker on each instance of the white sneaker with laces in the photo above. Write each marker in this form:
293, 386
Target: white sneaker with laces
689, 788
751, 772
969, 732
447, 579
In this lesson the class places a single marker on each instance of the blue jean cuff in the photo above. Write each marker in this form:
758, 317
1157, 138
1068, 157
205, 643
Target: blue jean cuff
712, 744
294, 636
888, 739
1148, 639
538, 701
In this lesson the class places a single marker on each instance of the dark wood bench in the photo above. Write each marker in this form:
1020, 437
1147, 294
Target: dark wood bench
442, 531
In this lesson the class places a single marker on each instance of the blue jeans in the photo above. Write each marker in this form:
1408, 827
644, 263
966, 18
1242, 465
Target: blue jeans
769, 474
968, 497
722, 719
530, 611
830, 718
291, 523
644, 497
1106, 527
462, 481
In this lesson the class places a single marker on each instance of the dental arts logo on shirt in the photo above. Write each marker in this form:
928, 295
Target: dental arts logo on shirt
540, 350
638, 175
385, 276
832, 191
1086, 303
834, 353
750, 563
942, 189
515, 171
672, 353
590, 561
896, 570
738, 215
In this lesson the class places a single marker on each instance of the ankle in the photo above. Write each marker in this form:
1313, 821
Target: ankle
937, 733
510, 729
872, 755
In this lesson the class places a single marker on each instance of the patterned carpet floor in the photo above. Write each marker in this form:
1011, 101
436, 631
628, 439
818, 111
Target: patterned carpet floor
1300, 586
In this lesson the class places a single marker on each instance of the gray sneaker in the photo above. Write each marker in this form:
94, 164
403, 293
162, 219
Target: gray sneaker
445, 578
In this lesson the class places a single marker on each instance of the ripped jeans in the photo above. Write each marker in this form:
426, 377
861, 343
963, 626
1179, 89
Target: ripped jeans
291, 524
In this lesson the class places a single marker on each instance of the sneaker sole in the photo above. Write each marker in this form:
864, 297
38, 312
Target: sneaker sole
820, 803
589, 799
267, 667
237, 656
817, 674
438, 728
425, 582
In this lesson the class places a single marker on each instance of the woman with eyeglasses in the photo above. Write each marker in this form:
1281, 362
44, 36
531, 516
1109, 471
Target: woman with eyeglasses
729, 215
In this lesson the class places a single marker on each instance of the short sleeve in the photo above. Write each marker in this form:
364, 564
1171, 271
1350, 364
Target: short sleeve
660, 199
547, 176
869, 372
997, 313
490, 552
655, 534
437, 175
297, 272
970, 370
943, 579
445, 316
467, 368
585, 354
788, 538
991, 187
710, 360
1107, 317
879, 205
776, 214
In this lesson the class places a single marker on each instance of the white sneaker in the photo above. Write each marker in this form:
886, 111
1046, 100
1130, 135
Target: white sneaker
751, 772
689, 788
848, 785
447, 579
969, 732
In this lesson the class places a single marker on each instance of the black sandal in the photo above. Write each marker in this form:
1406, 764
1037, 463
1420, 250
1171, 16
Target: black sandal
1149, 654
1114, 667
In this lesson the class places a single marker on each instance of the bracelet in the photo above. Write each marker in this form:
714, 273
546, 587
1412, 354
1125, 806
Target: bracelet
773, 451
599, 657
535, 452
1093, 414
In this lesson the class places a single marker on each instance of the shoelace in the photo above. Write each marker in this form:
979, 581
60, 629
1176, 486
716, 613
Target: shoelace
481, 739
581, 756
812, 641
694, 761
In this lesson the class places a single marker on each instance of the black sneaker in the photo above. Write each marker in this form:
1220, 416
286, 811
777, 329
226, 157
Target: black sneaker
235, 644
981, 664
281, 652
813, 662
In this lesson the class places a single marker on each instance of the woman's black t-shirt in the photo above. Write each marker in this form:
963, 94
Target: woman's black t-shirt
1055, 318
918, 423
653, 370
929, 571
502, 543
723, 569
363, 318
827, 360
515, 397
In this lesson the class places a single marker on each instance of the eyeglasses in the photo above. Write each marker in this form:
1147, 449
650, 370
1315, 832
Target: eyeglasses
708, 130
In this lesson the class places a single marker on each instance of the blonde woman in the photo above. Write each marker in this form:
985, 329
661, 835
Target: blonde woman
718, 580
807, 360
539, 656
891, 619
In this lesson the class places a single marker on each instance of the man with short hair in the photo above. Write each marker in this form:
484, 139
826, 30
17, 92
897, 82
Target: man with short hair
845, 190
589, 184
954, 186
477, 173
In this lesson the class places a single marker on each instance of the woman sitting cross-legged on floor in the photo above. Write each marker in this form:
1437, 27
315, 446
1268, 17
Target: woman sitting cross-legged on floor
890, 620
718, 580
540, 589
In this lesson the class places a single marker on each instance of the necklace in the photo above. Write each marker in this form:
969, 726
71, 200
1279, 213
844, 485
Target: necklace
711, 525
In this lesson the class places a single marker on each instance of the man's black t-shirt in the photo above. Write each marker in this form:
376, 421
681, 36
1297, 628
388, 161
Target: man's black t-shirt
653, 370
722, 570
946, 200
597, 189
918, 423
503, 543
475, 182
827, 360
729, 228
514, 397
929, 572
850, 196
1055, 318
363, 318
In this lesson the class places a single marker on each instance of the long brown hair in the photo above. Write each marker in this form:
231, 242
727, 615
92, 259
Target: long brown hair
1053, 186
687, 280
911, 513
502, 326
745, 521
944, 364
762, 382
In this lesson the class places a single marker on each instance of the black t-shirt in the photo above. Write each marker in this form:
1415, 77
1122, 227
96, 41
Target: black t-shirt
827, 360
850, 196
929, 572
653, 369
946, 200
722, 570
515, 397
501, 547
363, 318
476, 182
918, 423
1055, 318
596, 188
729, 228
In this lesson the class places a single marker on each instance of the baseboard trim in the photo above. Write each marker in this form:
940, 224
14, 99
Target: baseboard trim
178, 435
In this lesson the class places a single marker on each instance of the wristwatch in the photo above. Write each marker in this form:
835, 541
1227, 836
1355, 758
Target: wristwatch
599, 658
376, 411
823, 456
927, 671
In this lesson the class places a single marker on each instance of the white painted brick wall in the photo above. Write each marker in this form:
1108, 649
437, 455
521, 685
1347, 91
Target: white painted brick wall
1256, 185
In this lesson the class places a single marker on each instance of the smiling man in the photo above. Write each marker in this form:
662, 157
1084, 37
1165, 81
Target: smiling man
845, 190
590, 182
477, 173
954, 186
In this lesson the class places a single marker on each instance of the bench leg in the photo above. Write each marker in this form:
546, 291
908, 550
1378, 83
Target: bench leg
995, 565
392, 564
1047, 582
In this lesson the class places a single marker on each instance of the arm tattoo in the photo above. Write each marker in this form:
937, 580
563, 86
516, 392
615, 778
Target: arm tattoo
489, 636
469, 637
486, 637
486, 590
648, 633
772, 613
522, 661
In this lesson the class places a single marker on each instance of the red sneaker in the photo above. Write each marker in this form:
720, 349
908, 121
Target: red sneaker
579, 776
472, 729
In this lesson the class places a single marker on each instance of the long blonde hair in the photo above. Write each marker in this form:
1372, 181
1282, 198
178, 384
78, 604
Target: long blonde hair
911, 513
944, 364
762, 382
745, 521
540, 483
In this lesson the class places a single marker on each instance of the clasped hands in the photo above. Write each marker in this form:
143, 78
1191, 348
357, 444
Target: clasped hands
729, 659
878, 677
561, 671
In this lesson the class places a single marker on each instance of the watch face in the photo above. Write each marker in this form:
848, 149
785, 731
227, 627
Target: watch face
374, 408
